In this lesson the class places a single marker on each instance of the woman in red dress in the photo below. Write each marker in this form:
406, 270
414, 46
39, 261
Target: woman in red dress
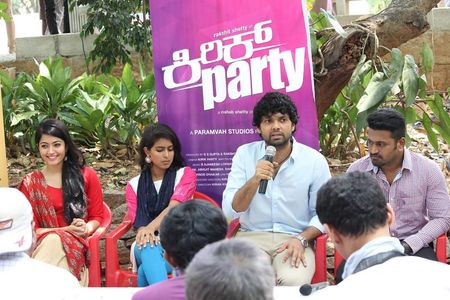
67, 201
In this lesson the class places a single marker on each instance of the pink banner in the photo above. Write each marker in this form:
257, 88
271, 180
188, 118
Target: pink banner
214, 60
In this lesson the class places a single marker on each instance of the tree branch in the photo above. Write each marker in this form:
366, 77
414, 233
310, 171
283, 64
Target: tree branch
402, 21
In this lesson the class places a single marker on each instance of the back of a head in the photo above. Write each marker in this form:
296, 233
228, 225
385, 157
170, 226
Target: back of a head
16, 216
230, 270
353, 203
388, 119
190, 226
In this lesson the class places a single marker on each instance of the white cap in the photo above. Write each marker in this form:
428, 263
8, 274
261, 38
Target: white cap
16, 215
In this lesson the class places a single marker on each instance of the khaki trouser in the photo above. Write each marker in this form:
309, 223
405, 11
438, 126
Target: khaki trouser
286, 275
51, 251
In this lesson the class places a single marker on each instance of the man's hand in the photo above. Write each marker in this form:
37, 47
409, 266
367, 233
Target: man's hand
295, 250
265, 170
146, 234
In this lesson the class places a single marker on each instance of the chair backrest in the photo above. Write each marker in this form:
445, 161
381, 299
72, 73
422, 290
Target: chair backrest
199, 195
107, 218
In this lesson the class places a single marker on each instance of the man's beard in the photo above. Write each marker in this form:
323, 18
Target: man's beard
377, 162
280, 142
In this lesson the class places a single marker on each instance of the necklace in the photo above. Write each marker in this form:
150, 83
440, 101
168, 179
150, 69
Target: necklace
281, 162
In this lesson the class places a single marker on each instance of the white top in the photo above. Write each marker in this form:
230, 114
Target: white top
404, 277
374, 247
22, 277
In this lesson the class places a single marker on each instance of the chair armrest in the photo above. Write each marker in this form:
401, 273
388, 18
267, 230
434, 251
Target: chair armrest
320, 275
441, 248
111, 254
93, 241
233, 228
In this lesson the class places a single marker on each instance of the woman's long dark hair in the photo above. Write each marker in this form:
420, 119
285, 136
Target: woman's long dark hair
151, 134
74, 197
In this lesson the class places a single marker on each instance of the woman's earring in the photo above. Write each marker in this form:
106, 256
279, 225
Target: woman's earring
148, 160
65, 158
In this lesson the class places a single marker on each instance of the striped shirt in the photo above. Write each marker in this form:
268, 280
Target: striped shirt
418, 196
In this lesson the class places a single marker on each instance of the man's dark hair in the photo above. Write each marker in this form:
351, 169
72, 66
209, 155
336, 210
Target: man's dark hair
272, 103
190, 226
353, 203
388, 119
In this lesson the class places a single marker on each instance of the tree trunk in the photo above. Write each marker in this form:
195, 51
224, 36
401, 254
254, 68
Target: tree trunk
402, 21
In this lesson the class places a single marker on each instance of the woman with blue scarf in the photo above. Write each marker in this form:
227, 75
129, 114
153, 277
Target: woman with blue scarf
164, 182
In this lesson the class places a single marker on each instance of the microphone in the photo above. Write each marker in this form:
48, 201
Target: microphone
270, 153
308, 289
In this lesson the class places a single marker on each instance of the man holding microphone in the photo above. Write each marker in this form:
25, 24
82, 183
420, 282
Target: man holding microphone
274, 194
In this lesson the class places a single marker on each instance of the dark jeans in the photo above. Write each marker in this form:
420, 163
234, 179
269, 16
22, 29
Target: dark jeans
50, 15
426, 252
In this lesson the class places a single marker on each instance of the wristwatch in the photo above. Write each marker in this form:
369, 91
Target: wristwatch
302, 240
408, 250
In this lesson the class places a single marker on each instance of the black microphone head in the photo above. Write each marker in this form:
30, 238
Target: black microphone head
270, 150
306, 289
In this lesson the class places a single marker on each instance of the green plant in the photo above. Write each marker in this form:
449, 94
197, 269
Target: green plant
3, 14
134, 105
101, 111
13, 91
51, 92
375, 83
122, 25
90, 121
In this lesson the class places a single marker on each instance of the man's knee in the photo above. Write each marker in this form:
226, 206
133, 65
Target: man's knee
295, 278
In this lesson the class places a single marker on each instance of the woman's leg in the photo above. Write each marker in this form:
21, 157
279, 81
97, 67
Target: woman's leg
151, 264
51, 251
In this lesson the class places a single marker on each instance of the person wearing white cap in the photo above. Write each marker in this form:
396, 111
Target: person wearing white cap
20, 275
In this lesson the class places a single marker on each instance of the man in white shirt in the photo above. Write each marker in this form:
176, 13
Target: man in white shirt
356, 216
282, 221
22, 277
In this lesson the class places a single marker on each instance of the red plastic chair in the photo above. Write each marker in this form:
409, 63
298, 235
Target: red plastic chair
320, 275
93, 240
441, 252
116, 276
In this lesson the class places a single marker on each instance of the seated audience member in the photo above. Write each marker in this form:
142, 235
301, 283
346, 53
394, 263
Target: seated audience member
281, 220
66, 198
185, 230
164, 182
22, 277
413, 185
230, 270
355, 214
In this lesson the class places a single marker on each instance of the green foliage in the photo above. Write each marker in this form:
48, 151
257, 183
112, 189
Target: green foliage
15, 129
100, 111
426, 58
134, 106
123, 26
51, 92
376, 83
3, 14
